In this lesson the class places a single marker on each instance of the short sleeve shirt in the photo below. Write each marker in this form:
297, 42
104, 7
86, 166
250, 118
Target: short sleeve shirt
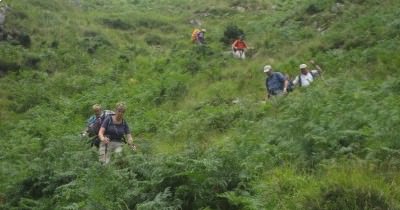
275, 82
306, 79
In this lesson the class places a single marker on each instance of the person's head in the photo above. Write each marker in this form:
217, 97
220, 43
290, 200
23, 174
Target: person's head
97, 110
120, 109
268, 69
303, 68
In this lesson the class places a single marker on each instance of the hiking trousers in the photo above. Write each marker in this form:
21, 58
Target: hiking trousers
106, 150
239, 54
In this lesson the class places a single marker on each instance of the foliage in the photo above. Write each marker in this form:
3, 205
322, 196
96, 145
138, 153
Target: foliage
231, 33
205, 138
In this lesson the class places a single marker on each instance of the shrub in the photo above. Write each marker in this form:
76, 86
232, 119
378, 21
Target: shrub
117, 24
231, 33
7, 66
153, 39
342, 197
24, 39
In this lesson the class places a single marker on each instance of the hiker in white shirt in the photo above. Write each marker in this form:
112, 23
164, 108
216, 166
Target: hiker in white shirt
306, 76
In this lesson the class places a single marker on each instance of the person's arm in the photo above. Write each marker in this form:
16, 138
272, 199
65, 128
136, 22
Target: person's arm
296, 80
84, 132
129, 139
267, 95
89, 123
285, 82
103, 138
316, 66
102, 130
234, 45
285, 85
128, 136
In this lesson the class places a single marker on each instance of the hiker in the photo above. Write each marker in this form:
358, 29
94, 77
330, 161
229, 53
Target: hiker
94, 123
239, 48
112, 134
307, 76
200, 37
276, 83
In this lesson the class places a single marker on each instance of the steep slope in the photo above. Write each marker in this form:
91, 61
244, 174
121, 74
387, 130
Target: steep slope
206, 141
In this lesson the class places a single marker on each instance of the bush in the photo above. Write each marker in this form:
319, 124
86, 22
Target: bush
117, 24
342, 197
231, 33
153, 39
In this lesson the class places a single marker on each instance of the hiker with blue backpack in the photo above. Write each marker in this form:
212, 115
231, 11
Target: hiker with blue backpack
276, 83
94, 123
112, 134
307, 76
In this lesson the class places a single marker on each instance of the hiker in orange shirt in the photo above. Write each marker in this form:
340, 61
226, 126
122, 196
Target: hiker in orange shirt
239, 48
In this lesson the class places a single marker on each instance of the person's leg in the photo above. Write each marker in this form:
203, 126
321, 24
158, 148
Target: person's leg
104, 153
237, 54
115, 147
243, 55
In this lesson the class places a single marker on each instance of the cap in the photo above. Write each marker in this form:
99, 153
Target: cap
267, 68
303, 66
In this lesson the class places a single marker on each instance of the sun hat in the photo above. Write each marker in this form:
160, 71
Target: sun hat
267, 68
303, 66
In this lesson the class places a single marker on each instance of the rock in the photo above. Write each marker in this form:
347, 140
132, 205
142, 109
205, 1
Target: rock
195, 22
240, 9
2, 18
3, 12
338, 7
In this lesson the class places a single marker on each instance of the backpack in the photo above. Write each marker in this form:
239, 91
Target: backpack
290, 86
93, 129
194, 34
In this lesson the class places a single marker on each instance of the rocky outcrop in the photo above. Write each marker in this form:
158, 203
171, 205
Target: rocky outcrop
3, 12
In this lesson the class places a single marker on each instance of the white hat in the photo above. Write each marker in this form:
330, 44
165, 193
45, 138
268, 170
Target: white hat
267, 68
303, 66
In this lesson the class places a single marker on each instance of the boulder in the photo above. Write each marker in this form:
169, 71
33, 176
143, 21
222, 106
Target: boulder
3, 12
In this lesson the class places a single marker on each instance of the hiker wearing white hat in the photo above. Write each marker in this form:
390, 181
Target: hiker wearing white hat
276, 83
306, 76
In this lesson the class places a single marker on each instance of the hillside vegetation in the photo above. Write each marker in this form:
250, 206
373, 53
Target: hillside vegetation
205, 138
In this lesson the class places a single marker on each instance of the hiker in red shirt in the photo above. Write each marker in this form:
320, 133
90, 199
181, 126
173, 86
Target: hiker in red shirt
239, 47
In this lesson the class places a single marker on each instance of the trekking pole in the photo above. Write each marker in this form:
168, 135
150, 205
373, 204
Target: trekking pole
105, 151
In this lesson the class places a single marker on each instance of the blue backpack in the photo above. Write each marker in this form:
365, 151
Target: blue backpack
94, 127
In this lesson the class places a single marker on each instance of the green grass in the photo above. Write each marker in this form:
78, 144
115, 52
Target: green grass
205, 139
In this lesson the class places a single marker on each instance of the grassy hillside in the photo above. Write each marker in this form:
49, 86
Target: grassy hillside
206, 140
